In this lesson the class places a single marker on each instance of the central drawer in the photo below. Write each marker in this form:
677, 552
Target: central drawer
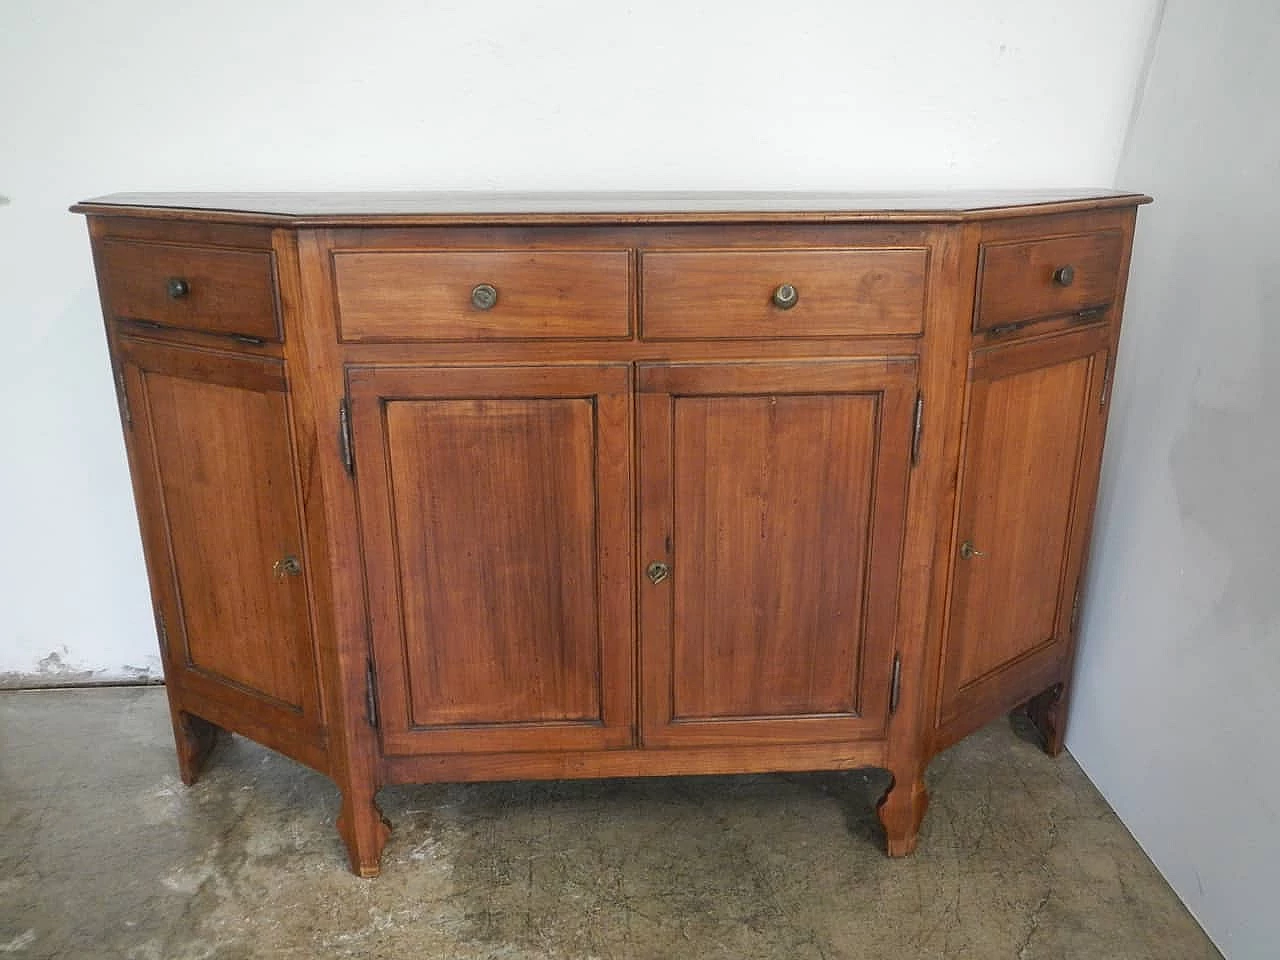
846, 292
482, 294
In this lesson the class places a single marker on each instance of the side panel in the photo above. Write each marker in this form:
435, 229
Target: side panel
211, 447
1032, 445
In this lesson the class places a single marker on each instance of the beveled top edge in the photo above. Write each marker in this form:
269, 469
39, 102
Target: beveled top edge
486, 207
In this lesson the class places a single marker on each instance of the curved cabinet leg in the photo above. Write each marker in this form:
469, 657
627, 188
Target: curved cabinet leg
364, 830
194, 738
901, 811
1048, 712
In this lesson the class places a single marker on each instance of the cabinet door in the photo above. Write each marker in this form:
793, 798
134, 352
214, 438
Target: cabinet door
495, 511
1033, 439
774, 497
210, 441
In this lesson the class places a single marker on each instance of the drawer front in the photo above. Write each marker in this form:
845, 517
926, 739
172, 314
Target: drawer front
1025, 280
482, 294
210, 289
783, 293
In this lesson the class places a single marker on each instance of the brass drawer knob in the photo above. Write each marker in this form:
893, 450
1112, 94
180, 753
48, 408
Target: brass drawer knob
968, 551
178, 287
1065, 276
657, 572
785, 296
484, 296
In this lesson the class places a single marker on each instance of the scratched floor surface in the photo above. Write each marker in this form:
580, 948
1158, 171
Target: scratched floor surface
103, 854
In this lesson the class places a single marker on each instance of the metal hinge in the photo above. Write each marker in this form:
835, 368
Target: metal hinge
371, 695
917, 426
1106, 385
163, 629
1075, 611
895, 686
344, 436
122, 398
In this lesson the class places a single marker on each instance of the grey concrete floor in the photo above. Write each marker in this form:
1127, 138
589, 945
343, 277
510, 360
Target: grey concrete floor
103, 853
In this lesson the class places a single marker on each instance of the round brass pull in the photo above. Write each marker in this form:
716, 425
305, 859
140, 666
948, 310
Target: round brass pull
968, 551
785, 296
1065, 276
657, 572
484, 296
289, 566
177, 287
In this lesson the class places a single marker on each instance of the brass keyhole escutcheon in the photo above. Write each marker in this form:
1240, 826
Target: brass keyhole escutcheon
657, 572
968, 551
289, 566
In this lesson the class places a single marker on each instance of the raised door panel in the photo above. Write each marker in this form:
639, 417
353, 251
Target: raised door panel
495, 516
211, 444
774, 494
1032, 443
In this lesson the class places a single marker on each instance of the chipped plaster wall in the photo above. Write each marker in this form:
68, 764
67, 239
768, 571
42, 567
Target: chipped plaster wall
1174, 715
145, 94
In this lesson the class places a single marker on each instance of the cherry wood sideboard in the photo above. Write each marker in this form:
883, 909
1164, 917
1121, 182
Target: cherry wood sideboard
476, 486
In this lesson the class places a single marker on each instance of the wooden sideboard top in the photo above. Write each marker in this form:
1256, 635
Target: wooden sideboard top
320, 209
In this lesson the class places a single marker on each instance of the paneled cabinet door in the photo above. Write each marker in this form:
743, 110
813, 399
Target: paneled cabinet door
773, 500
1032, 445
210, 443
495, 512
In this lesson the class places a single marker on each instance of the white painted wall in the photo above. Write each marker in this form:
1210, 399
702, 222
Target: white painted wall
1175, 712
248, 94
